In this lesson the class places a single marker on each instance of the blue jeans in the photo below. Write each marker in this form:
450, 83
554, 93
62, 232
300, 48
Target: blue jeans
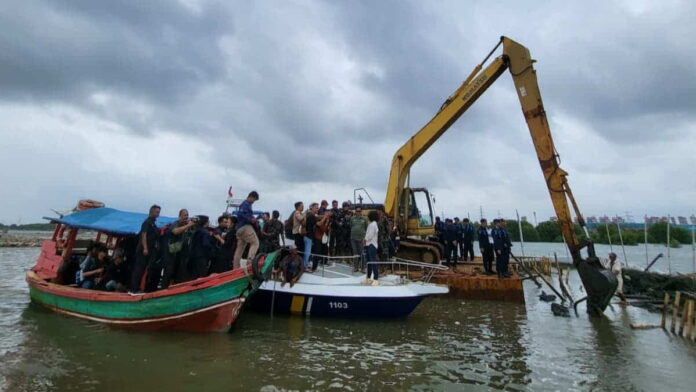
371, 251
307, 250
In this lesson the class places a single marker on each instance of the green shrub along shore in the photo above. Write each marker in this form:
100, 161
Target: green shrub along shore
544, 232
551, 232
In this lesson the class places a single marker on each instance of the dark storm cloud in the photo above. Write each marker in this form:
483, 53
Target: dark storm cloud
66, 50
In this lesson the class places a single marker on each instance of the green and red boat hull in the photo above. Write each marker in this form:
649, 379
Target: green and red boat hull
206, 304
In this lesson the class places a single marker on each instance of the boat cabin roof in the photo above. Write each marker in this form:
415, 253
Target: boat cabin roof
109, 220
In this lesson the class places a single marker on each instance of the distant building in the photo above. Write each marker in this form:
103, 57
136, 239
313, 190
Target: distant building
692, 218
682, 220
618, 219
674, 221
553, 219
591, 219
604, 219
523, 218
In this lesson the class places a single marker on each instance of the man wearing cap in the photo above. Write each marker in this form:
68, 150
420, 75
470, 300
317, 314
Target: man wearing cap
246, 235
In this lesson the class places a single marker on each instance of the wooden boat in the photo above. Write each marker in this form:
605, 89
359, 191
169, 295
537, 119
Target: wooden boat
206, 304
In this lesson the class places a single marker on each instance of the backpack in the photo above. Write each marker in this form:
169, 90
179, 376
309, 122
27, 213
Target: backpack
288, 226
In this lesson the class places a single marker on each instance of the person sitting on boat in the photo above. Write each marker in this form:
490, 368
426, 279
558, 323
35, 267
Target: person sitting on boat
90, 272
291, 267
115, 273
371, 244
201, 248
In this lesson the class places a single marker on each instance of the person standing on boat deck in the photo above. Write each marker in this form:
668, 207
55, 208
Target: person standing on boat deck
371, 244
146, 251
272, 231
335, 228
502, 244
358, 226
201, 248
176, 254
246, 235
310, 228
383, 226
298, 225
485, 239
467, 246
222, 258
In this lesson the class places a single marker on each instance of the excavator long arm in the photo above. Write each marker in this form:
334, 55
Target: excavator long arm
599, 283
517, 58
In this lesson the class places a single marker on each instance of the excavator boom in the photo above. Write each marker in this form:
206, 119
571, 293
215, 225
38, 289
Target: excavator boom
599, 283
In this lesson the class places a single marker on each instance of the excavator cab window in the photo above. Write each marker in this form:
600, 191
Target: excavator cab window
420, 203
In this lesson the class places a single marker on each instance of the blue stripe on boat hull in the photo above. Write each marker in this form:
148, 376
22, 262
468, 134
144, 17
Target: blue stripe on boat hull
330, 306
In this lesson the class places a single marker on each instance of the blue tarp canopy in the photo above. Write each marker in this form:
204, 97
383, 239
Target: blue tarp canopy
109, 220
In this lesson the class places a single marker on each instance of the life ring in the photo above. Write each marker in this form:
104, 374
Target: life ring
86, 204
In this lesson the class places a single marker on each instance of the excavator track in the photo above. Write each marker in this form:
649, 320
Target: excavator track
420, 250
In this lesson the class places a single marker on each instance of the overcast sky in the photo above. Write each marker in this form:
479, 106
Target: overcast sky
141, 102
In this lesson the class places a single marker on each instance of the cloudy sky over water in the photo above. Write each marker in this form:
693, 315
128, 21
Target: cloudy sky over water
166, 102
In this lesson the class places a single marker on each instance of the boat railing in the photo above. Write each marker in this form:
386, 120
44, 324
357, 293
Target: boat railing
396, 264
406, 266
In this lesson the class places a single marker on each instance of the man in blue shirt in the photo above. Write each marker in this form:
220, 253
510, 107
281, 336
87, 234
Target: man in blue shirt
246, 235
467, 247
502, 246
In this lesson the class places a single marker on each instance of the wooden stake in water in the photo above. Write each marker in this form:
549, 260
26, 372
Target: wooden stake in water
611, 249
623, 248
645, 234
693, 246
669, 261
519, 224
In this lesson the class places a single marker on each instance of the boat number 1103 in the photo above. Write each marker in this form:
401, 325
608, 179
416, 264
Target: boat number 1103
338, 305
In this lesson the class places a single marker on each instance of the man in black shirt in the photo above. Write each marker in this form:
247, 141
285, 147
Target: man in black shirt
146, 253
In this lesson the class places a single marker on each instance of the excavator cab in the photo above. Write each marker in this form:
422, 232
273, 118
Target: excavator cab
417, 212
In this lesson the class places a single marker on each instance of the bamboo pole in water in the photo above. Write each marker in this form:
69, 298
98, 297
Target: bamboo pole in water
519, 224
693, 246
669, 261
645, 234
623, 248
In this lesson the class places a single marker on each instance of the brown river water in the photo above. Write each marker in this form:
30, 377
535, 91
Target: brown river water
445, 345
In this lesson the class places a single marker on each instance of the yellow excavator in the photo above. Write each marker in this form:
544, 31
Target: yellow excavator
411, 208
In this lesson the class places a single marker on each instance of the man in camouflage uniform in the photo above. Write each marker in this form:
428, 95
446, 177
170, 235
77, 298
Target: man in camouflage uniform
383, 235
271, 232
340, 231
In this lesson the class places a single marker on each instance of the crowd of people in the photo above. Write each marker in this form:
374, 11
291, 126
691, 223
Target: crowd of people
457, 238
190, 248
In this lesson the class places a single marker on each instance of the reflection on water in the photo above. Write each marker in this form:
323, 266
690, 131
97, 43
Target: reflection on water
447, 344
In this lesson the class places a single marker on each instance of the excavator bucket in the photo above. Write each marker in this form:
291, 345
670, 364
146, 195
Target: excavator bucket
600, 284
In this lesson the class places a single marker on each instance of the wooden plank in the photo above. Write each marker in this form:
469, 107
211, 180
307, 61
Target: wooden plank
665, 306
675, 311
683, 321
689, 318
